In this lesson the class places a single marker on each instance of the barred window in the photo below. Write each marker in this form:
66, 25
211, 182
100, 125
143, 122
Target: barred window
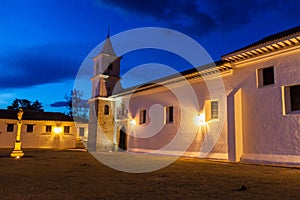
211, 109
214, 109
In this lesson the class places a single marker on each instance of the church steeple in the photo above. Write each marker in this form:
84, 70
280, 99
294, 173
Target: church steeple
106, 70
102, 107
107, 47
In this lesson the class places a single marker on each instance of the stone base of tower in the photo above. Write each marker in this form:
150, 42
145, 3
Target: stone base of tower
105, 142
101, 125
100, 141
106, 124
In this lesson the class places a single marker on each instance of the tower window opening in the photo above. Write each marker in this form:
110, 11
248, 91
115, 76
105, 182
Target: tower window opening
106, 110
110, 67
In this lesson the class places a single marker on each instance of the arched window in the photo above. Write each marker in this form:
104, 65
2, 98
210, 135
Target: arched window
106, 110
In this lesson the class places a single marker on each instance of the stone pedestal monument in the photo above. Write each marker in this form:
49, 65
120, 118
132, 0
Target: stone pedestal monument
17, 152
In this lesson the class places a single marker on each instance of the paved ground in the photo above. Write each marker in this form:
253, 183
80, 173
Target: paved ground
49, 174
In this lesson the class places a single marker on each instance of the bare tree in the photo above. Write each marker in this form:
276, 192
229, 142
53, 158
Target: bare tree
76, 105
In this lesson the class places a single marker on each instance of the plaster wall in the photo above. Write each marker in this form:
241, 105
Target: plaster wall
185, 134
266, 130
38, 138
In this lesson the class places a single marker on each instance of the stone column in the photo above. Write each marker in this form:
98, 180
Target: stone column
17, 152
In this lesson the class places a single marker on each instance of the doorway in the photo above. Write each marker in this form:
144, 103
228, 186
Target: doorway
123, 137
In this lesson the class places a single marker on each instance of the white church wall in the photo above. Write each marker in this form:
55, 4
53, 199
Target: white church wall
154, 134
215, 127
185, 133
266, 129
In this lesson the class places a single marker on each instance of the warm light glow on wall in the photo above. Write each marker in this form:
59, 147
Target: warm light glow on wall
200, 119
57, 130
132, 122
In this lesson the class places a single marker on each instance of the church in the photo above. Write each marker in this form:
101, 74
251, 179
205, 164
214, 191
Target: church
245, 107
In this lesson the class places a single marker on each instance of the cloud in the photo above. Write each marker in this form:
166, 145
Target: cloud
25, 67
59, 104
204, 16
6, 97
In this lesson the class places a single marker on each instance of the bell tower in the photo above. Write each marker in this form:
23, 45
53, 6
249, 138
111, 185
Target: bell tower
102, 107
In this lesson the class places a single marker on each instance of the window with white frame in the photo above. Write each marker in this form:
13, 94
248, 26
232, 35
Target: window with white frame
169, 114
143, 117
211, 109
265, 76
291, 99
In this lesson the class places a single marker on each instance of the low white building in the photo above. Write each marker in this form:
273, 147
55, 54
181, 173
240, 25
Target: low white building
39, 129
253, 116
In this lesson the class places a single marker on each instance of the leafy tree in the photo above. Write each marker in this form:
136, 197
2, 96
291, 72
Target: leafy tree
14, 105
37, 106
25, 105
76, 105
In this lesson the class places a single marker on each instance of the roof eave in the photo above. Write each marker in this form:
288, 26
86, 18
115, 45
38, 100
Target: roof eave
263, 49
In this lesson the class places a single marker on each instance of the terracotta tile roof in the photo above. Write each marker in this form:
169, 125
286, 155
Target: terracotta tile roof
35, 115
273, 37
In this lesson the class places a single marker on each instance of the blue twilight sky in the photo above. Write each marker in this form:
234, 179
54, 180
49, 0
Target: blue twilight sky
44, 42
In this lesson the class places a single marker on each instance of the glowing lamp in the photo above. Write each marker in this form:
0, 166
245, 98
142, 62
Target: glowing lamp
132, 122
57, 130
201, 119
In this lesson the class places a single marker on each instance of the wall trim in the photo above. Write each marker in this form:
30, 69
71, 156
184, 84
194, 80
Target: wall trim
271, 158
222, 156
